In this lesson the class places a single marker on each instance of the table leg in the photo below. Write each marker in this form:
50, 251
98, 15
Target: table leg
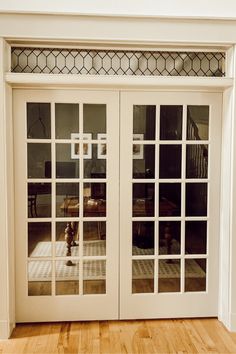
69, 238
73, 243
168, 238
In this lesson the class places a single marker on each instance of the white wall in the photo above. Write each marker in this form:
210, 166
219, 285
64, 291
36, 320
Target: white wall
189, 8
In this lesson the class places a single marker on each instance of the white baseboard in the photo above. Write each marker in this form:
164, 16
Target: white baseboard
4, 330
233, 322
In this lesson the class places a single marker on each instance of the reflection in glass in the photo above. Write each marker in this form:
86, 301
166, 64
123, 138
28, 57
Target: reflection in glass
94, 119
38, 121
196, 161
39, 239
39, 160
170, 161
67, 278
67, 199
94, 277
171, 122
169, 199
95, 165
94, 238
195, 237
94, 199
168, 275
198, 122
66, 167
39, 278
143, 238
39, 200
143, 276
61, 244
143, 161
66, 120
144, 122
195, 274
169, 237
196, 199
143, 199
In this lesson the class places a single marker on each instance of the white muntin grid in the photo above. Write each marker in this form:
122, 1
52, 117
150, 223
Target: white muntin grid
183, 181
53, 181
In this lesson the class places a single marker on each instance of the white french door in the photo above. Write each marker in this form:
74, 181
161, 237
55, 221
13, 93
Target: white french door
117, 204
67, 192
169, 181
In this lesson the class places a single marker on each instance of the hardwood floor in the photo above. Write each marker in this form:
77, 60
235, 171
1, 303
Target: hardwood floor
110, 337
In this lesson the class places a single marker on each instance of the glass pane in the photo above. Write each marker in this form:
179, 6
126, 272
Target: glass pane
144, 122
169, 199
196, 199
143, 238
143, 199
198, 122
67, 199
39, 200
143, 161
94, 238
39, 239
196, 237
66, 164
94, 199
196, 161
39, 278
67, 239
66, 120
39, 160
67, 278
170, 161
169, 237
94, 119
143, 276
195, 274
95, 161
171, 122
94, 277
169, 275
38, 121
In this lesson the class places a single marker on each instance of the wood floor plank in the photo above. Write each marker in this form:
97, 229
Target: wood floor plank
223, 340
182, 336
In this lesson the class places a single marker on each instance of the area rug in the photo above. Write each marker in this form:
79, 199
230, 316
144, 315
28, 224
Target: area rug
96, 269
91, 248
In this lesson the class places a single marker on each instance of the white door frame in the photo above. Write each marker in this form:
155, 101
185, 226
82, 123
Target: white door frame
227, 308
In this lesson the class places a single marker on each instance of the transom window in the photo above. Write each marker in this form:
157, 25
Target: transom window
117, 62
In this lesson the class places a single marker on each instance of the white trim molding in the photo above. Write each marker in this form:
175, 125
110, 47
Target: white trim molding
157, 31
232, 254
117, 82
7, 280
4, 329
4, 294
233, 322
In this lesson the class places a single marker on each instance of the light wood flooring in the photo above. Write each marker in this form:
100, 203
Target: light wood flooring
129, 337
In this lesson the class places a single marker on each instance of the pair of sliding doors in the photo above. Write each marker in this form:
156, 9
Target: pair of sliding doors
116, 204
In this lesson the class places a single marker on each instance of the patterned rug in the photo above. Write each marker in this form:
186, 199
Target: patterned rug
96, 269
91, 248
